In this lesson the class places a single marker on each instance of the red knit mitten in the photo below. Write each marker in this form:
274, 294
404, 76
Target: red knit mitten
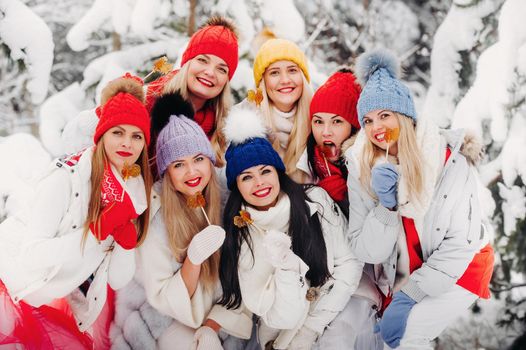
126, 235
115, 214
336, 187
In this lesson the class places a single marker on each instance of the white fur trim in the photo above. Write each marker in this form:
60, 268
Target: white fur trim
243, 124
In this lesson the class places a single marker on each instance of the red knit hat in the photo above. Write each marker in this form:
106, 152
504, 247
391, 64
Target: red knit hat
217, 37
122, 103
339, 95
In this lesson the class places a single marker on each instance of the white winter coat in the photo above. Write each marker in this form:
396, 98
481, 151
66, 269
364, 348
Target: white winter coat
282, 303
163, 283
40, 251
449, 228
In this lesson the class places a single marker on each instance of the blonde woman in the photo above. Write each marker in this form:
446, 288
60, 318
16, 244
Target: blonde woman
282, 99
179, 260
88, 215
414, 212
207, 66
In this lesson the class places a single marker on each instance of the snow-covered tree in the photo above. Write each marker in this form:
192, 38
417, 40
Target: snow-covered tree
464, 60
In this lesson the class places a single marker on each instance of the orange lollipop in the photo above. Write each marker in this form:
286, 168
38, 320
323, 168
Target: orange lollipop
243, 219
133, 170
160, 66
390, 135
255, 96
198, 201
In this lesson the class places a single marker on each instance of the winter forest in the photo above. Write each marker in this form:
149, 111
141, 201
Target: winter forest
465, 61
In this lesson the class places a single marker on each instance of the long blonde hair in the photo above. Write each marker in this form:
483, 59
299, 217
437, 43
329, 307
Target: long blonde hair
98, 160
300, 129
183, 223
409, 156
221, 105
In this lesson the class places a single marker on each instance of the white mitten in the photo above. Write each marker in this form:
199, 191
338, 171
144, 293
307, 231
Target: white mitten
205, 243
278, 250
303, 340
205, 338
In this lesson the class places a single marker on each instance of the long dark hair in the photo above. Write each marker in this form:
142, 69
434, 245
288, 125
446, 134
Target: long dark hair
305, 231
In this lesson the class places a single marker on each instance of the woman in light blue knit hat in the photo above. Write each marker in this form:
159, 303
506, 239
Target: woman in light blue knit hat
415, 217
179, 263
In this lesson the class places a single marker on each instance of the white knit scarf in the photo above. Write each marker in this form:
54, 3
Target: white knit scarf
283, 123
275, 218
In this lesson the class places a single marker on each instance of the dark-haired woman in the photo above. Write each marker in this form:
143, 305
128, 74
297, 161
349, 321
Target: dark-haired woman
285, 261
334, 125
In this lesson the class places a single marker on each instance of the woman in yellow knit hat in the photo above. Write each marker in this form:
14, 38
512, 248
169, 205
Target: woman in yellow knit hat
282, 98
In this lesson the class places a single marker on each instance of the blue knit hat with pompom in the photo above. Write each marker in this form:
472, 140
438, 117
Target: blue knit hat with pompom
378, 71
247, 135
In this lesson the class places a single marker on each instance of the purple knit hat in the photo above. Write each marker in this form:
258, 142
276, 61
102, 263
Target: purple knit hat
177, 135
181, 137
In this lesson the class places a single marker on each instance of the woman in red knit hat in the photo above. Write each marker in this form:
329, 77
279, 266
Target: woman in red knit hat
207, 66
334, 125
61, 260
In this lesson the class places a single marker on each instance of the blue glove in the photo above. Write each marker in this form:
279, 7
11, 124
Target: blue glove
394, 320
383, 181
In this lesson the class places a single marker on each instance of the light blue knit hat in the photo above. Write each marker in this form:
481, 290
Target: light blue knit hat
378, 71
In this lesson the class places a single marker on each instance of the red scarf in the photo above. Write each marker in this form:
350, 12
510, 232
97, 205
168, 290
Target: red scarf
206, 118
335, 184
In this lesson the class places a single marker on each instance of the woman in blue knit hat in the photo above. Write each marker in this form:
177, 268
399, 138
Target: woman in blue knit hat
415, 217
284, 258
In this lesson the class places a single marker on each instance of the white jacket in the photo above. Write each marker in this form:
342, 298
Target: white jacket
163, 283
449, 225
40, 252
282, 303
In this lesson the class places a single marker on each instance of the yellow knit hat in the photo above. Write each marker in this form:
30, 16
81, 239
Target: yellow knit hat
276, 50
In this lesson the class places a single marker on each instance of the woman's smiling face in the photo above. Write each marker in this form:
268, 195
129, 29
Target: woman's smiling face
259, 186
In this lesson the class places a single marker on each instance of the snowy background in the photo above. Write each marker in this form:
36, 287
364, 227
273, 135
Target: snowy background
465, 61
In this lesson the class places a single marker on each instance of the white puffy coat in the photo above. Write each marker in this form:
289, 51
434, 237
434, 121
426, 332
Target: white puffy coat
41, 258
280, 305
449, 229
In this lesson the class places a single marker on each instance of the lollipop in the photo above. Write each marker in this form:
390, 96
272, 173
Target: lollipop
198, 201
390, 135
326, 151
128, 171
243, 219
255, 96
161, 67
